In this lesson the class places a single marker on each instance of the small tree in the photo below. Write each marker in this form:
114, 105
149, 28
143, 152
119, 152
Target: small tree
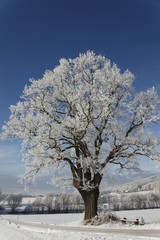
38, 205
14, 201
2, 196
76, 202
64, 200
84, 115
48, 202
154, 200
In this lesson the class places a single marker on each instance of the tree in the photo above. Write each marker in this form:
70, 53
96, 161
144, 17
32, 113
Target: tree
154, 200
2, 196
14, 201
48, 202
64, 200
38, 205
84, 115
76, 202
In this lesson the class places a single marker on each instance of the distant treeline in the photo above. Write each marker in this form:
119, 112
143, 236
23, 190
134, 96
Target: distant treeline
130, 201
62, 203
73, 203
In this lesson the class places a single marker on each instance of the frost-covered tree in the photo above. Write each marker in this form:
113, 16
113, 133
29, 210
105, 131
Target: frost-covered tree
48, 202
14, 201
84, 115
64, 200
38, 205
1, 196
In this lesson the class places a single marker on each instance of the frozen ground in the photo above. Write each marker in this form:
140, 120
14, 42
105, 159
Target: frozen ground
69, 227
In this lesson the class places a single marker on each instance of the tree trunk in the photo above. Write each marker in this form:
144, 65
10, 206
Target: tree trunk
89, 195
90, 199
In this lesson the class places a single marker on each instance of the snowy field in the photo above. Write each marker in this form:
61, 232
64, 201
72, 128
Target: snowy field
149, 215
69, 227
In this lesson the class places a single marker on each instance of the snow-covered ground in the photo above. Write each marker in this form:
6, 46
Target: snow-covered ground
36, 227
151, 216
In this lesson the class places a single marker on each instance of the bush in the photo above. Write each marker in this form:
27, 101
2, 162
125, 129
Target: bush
101, 219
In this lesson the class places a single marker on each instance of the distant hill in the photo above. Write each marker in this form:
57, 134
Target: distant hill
10, 184
151, 183
119, 184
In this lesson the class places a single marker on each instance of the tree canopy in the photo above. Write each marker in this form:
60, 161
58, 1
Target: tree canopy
84, 113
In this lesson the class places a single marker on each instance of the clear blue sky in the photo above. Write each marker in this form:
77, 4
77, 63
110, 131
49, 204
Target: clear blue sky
35, 34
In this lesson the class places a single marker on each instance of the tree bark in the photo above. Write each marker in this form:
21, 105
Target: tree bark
90, 199
89, 195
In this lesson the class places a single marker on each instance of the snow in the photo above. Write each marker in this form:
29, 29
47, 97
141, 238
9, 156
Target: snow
149, 215
11, 231
36, 227
49, 218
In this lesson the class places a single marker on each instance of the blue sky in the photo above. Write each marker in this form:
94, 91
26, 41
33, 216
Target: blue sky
35, 34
